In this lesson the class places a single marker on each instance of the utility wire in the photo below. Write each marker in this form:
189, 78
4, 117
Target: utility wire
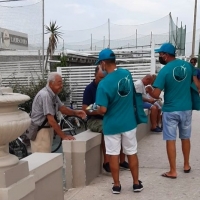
11, 1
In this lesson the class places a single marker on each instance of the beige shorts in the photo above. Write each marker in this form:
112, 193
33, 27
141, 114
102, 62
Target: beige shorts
43, 141
127, 139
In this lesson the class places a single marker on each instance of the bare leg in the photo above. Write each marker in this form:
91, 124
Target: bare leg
159, 117
105, 156
134, 167
114, 167
171, 152
186, 153
122, 156
153, 117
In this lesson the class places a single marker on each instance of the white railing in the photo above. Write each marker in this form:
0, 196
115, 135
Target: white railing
78, 77
20, 72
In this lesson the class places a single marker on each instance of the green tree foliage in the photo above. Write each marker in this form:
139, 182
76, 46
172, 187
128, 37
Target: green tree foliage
55, 34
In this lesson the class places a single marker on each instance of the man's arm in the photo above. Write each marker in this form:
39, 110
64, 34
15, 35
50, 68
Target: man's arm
196, 82
101, 99
69, 111
95, 112
101, 110
155, 93
53, 123
151, 100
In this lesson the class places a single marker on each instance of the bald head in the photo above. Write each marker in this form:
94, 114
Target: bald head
147, 80
54, 81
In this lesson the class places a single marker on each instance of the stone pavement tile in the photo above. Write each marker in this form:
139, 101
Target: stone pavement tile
156, 187
153, 162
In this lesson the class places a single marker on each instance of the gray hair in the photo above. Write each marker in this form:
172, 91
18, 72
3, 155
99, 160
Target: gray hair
52, 77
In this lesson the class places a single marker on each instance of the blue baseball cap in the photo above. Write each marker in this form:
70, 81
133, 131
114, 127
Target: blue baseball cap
105, 54
166, 48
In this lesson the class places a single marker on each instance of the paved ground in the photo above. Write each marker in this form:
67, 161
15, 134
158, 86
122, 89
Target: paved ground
153, 162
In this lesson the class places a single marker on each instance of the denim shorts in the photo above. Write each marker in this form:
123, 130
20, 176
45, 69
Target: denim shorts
147, 105
178, 119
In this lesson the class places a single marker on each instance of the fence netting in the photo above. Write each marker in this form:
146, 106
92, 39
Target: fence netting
24, 19
28, 19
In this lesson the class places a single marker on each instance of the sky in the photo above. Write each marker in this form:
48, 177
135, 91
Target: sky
84, 14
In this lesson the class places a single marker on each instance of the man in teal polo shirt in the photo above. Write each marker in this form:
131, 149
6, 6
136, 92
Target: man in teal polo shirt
115, 100
175, 79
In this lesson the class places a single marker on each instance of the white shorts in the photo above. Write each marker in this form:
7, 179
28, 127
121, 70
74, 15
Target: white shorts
127, 140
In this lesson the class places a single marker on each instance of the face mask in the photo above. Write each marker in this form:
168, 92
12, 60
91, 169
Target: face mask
162, 61
104, 71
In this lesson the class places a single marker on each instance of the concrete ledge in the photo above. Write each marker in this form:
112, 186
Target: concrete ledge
13, 174
42, 164
46, 169
19, 190
16, 183
83, 159
84, 142
143, 129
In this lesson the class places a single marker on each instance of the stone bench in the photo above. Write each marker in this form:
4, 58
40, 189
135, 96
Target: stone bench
143, 129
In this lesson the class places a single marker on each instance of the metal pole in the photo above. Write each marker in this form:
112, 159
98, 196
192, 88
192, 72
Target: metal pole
91, 43
108, 33
63, 46
184, 38
103, 42
176, 32
198, 63
194, 28
181, 43
43, 39
170, 32
136, 39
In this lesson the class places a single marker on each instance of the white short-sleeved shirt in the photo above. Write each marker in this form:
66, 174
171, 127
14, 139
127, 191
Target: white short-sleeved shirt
140, 88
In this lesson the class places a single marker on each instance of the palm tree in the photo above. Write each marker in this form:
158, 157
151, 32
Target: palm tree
53, 39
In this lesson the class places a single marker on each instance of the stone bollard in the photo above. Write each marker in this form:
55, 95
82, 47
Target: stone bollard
15, 181
83, 159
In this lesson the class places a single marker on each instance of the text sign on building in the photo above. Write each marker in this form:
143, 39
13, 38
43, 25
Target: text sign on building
8, 39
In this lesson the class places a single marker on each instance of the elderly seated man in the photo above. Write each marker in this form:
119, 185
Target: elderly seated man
149, 102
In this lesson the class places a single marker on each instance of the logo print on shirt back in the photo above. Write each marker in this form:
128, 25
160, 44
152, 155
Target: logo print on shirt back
124, 86
180, 73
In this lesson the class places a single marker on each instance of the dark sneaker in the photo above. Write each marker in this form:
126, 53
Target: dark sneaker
116, 189
138, 187
157, 130
124, 165
160, 128
106, 167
